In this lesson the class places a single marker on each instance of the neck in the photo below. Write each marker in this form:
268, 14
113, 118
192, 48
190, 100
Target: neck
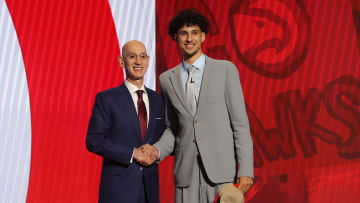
191, 59
137, 83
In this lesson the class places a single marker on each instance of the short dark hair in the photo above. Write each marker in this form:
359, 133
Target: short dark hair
187, 17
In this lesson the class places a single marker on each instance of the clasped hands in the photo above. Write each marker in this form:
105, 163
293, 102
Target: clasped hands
146, 155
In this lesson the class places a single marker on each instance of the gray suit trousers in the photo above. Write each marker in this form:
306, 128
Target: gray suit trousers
200, 190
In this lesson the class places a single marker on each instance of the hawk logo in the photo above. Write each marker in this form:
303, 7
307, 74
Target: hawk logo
271, 39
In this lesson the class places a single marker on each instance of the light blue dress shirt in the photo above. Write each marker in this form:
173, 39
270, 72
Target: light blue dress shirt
198, 73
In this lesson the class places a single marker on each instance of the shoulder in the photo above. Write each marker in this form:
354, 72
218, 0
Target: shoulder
168, 73
221, 64
165, 74
110, 94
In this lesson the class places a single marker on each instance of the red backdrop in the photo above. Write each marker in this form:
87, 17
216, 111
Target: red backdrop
299, 66
70, 51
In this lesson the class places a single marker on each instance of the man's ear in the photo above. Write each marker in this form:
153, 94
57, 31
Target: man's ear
121, 61
175, 37
203, 35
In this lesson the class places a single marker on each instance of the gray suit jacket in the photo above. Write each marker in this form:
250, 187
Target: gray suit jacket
220, 127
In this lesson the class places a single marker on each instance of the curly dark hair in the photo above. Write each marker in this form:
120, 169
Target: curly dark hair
187, 17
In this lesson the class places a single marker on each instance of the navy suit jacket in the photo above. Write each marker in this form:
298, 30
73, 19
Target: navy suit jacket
113, 133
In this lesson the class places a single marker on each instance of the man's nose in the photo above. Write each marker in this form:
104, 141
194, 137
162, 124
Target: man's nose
137, 60
189, 38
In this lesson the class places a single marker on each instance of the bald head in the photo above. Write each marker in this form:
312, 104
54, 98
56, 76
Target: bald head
135, 61
131, 46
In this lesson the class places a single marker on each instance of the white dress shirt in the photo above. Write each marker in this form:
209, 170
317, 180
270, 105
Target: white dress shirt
132, 89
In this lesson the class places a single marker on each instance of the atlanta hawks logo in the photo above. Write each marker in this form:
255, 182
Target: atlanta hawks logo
276, 35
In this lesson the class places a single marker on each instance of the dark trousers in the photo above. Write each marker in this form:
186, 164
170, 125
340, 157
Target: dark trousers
142, 193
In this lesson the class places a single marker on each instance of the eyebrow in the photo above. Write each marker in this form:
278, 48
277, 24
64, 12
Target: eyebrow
139, 54
197, 30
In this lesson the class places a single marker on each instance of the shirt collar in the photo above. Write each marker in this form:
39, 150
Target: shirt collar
199, 63
132, 88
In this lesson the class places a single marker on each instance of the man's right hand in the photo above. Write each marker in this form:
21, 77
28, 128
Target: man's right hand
142, 158
151, 151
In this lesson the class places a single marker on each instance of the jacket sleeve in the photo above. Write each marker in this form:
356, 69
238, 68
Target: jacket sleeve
97, 140
239, 122
167, 141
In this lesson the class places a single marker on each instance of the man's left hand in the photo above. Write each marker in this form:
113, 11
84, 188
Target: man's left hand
245, 183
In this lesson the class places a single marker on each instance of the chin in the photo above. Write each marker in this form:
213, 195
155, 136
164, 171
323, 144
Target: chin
139, 77
189, 55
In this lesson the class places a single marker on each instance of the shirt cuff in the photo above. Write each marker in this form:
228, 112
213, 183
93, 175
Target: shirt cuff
158, 150
131, 160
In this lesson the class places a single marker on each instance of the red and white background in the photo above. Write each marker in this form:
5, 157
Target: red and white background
298, 60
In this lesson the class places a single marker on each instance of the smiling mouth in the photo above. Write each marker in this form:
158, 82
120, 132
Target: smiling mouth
138, 68
189, 45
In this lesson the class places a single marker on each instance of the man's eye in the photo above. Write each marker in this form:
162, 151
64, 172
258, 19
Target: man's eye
131, 57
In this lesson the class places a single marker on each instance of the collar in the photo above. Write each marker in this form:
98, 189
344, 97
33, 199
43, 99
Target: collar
132, 88
199, 63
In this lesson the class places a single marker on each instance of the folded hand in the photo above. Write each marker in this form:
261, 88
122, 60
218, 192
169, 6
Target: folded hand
146, 155
151, 151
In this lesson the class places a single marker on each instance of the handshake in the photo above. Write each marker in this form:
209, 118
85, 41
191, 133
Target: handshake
146, 155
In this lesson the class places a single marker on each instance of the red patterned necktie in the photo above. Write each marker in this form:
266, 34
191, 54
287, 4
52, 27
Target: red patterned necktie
142, 114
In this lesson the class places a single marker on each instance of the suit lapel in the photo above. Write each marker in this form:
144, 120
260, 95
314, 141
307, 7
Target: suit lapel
128, 106
150, 127
206, 78
176, 82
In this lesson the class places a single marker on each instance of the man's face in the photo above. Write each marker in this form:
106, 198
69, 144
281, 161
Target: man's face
189, 39
135, 60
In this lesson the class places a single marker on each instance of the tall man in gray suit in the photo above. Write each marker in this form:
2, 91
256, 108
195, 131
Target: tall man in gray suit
206, 123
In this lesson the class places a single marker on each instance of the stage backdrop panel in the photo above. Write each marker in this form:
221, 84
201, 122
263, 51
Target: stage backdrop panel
69, 51
15, 121
298, 62
299, 66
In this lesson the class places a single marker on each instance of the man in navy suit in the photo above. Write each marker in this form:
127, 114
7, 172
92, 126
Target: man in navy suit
123, 119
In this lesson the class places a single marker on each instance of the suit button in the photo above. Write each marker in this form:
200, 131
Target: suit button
194, 141
141, 168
